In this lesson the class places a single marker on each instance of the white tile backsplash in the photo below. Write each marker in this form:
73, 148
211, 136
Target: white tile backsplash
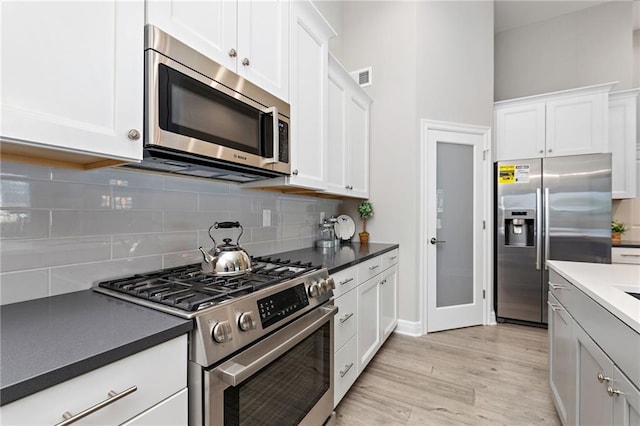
62, 230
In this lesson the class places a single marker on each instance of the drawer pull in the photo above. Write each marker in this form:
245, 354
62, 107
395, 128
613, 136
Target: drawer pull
371, 268
346, 317
557, 286
611, 391
348, 280
393, 257
346, 370
629, 255
554, 307
602, 378
113, 397
383, 282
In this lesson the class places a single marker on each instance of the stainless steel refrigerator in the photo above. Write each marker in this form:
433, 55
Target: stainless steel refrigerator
547, 209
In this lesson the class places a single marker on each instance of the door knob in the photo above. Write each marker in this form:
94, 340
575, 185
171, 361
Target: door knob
434, 240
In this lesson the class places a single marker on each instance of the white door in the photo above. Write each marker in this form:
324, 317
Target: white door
453, 236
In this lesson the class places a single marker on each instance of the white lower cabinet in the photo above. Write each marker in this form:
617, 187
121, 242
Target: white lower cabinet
562, 376
164, 392
367, 301
626, 404
625, 255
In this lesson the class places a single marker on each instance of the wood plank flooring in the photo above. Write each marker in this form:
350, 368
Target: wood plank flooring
491, 375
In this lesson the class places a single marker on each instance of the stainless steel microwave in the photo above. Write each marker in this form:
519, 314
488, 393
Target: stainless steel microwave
204, 120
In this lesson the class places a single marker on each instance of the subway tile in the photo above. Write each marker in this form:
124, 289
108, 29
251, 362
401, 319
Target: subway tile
115, 176
12, 170
23, 285
267, 233
177, 183
189, 221
223, 203
147, 199
66, 279
85, 222
259, 249
137, 245
183, 258
19, 223
65, 195
19, 255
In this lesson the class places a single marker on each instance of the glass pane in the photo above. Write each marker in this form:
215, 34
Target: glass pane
454, 224
283, 392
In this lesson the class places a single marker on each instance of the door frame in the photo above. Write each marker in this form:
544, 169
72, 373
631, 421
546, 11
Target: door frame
488, 316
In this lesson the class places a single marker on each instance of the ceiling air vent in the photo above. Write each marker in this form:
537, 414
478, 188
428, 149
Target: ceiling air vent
363, 77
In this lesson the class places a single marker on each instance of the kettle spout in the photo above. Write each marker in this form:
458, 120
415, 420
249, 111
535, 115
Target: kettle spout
207, 258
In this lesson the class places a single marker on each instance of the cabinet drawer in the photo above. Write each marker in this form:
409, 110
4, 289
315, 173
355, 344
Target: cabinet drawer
625, 255
390, 258
345, 369
370, 268
345, 280
561, 288
346, 321
85, 391
172, 411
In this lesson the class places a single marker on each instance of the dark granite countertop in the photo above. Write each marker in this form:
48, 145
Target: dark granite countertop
627, 244
338, 258
46, 341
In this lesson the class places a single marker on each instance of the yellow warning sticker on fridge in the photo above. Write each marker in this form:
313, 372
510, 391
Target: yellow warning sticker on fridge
507, 173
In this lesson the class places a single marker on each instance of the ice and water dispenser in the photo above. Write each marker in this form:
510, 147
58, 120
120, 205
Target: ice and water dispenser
519, 226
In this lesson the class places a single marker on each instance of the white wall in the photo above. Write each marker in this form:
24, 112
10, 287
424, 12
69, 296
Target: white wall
421, 54
587, 47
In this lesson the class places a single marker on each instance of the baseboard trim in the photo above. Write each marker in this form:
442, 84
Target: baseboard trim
409, 328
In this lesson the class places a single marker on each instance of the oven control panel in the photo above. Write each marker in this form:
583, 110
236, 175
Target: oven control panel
280, 305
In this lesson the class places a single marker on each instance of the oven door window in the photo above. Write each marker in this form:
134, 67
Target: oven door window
285, 391
193, 109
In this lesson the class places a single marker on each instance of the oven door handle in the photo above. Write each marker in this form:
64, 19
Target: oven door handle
236, 370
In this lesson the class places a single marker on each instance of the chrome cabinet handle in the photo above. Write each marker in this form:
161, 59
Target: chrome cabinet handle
555, 307
113, 397
393, 257
233, 53
557, 286
348, 280
383, 282
245, 62
602, 378
436, 241
348, 187
371, 268
133, 134
346, 317
346, 370
629, 255
295, 172
611, 391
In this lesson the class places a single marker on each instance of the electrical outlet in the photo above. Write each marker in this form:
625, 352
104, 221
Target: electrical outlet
321, 217
266, 217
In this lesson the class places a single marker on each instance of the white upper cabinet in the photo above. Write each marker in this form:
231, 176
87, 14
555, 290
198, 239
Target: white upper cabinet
622, 139
348, 134
72, 82
569, 122
249, 37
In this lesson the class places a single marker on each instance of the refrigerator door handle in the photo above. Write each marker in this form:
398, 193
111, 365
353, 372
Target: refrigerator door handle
546, 227
538, 227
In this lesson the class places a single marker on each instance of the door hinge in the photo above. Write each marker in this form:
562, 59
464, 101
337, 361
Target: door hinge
484, 224
484, 154
484, 294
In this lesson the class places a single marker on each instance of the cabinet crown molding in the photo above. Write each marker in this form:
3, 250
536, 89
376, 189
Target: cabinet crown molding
562, 94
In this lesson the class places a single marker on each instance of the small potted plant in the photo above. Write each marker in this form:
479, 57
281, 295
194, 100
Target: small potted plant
365, 210
617, 229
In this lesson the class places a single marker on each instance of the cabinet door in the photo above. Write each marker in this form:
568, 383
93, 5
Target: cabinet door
72, 76
345, 370
207, 26
622, 137
368, 321
263, 44
346, 321
337, 140
520, 131
389, 302
562, 376
309, 96
357, 166
594, 372
577, 125
626, 400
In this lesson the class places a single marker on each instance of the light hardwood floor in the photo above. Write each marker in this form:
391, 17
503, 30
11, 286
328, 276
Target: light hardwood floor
492, 375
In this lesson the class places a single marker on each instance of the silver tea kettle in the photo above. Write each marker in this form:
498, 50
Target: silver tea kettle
225, 259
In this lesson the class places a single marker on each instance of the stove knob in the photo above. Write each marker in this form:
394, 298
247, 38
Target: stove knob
222, 332
328, 285
247, 321
314, 290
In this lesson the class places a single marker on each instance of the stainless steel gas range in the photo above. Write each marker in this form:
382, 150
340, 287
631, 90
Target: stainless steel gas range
261, 351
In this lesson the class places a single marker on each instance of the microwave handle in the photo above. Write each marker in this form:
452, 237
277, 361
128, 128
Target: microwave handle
276, 135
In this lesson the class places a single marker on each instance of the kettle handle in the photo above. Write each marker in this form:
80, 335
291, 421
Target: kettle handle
225, 225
